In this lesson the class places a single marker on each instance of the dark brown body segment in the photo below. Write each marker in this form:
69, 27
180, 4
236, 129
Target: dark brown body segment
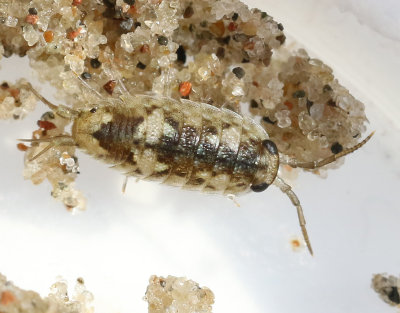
187, 144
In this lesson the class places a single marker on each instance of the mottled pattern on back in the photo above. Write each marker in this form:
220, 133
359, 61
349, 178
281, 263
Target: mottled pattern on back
187, 144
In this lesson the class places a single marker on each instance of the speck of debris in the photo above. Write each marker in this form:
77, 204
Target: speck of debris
181, 54
394, 296
266, 119
240, 37
86, 75
47, 116
326, 88
126, 24
109, 3
188, 12
220, 53
331, 103
162, 40
309, 105
239, 72
281, 39
253, 104
299, 94
80, 279
224, 40
32, 11
109, 86
141, 65
95, 63
336, 148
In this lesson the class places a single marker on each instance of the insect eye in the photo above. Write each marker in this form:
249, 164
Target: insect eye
259, 188
270, 146
93, 110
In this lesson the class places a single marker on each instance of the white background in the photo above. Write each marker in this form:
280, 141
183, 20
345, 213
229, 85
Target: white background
242, 254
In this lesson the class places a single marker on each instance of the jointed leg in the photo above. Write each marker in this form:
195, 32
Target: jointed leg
98, 94
124, 184
285, 188
86, 85
123, 87
119, 79
233, 199
62, 140
315, 164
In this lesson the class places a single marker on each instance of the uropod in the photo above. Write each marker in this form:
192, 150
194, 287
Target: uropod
182, 143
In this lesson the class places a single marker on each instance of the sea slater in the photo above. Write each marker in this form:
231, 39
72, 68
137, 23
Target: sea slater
182, 143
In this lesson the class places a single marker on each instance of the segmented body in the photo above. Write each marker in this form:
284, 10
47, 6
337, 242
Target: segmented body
192, 145
182, 143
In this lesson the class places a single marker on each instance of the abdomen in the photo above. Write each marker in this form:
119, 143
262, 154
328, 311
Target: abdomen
192, 145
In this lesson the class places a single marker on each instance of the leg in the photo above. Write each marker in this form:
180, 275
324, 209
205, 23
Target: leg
86, 85
53, 142
315, 164
98, 94
124, 184
118, 78
285, 188
123, 87
233, 198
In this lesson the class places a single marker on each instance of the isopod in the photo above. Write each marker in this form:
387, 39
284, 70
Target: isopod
182, 143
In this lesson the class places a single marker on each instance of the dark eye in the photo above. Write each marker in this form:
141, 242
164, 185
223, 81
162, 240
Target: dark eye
270, 146
93, 110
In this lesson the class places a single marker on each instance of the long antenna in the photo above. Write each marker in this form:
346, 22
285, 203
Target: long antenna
61, 110
41, 98
315, 164
285, 188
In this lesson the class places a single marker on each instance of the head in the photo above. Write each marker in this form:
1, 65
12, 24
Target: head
270, 164
89, 121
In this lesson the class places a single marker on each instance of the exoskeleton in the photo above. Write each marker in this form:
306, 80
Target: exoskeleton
182, 143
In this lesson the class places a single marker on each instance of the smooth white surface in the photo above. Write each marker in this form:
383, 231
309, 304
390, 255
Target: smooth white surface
242, 254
